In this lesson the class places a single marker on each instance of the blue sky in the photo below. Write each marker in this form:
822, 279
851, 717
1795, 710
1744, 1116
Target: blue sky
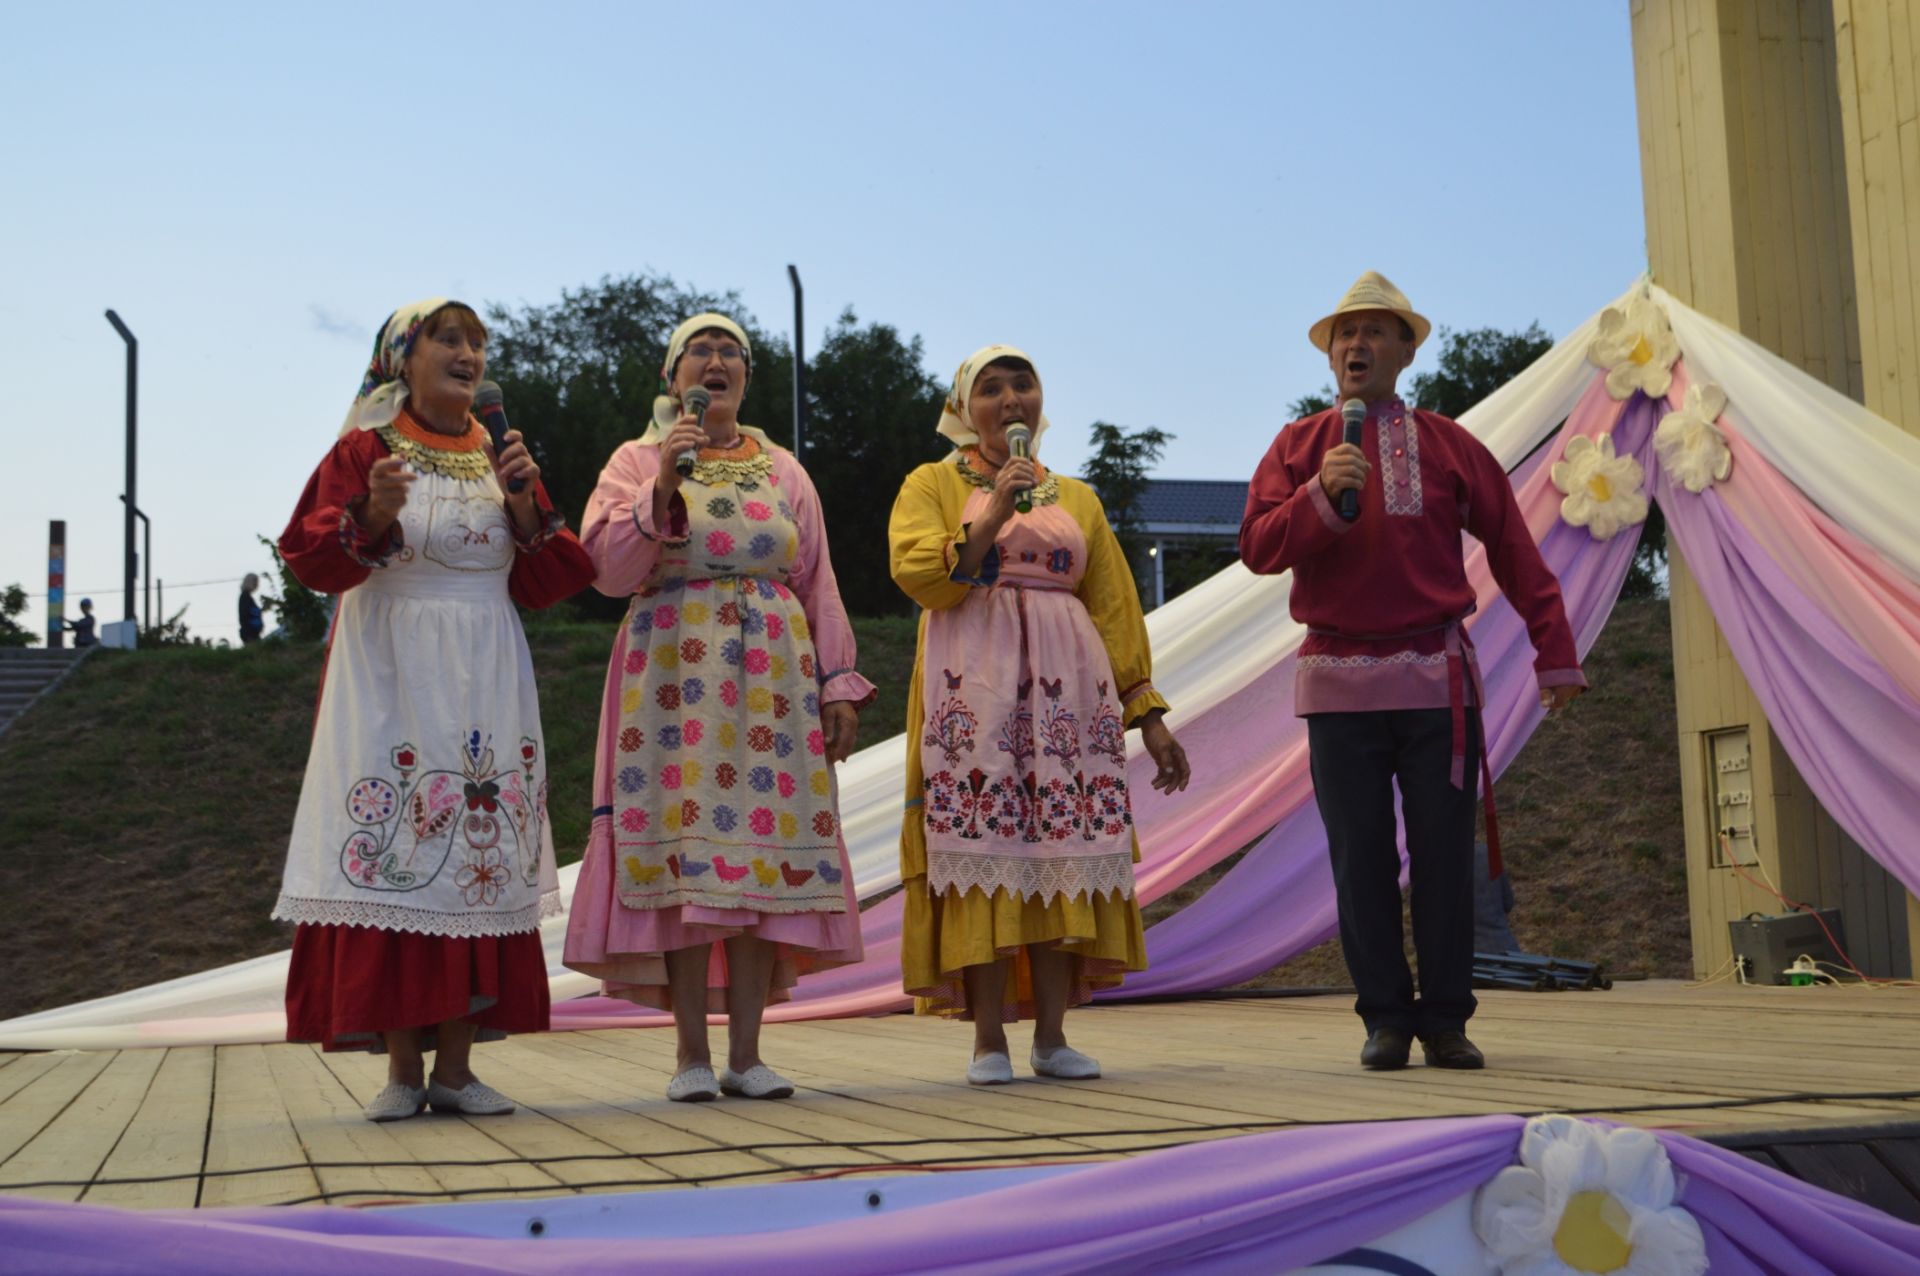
1155, 200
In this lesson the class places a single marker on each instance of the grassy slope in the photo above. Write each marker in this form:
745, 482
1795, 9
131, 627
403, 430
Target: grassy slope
147, 807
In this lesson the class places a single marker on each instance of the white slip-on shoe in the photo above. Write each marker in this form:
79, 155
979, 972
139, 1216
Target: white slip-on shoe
1064, 1063
695, 1085
475, 1098
990, 1069
757, 1082
396, 1103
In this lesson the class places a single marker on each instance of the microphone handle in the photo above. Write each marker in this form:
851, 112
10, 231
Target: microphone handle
1350, 499
1023, 501
684, 463
495, 419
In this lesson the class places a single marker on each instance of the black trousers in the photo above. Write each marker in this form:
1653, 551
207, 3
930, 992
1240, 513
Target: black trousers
1356, 758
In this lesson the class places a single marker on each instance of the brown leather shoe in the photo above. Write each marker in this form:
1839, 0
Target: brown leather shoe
1386, 1049
1451, 1049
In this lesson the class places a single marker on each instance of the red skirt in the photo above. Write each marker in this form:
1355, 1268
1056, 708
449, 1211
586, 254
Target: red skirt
349, 984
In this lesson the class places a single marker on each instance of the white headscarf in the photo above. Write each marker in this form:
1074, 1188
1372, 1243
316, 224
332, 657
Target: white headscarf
666, 408
383, 390
955, 425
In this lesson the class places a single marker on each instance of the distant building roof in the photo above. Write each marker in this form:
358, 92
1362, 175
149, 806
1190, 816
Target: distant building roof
1193, 507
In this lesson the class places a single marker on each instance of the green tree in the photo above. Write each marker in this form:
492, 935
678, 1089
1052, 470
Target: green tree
872, 406
13, 601
1308, 404
302, 612
1475, 363
1118, 471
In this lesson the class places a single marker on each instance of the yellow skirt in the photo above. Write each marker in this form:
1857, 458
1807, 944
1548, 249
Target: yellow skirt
940, 937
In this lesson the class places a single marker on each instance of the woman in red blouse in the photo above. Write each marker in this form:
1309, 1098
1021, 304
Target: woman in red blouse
421, 860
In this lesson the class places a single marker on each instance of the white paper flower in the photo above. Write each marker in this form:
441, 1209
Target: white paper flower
1691, 446
1586, 1198
1637, 348
1602, 490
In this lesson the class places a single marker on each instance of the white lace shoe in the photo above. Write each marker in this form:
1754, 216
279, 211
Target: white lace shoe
475, 1098
990, 1069
396, 1103
695, 1085
1064, 1063
757, 1082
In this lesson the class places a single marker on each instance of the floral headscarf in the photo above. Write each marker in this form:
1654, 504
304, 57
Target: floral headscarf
666, 408
955, 425
382, 390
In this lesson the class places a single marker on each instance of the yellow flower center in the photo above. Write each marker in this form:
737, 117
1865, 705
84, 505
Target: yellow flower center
1592, 1236
1642, 352
1600, 489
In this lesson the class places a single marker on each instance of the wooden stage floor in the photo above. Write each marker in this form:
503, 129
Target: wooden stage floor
249, 1125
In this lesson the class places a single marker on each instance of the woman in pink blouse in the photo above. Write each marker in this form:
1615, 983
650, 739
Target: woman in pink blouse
730, 696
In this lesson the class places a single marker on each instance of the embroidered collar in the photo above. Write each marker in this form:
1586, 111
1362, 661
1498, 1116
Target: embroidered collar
745, 464
461, 456
1046, 492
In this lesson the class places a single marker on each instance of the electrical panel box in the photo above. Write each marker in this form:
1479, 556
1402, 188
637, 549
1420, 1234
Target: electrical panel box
1766, 946
1730, 790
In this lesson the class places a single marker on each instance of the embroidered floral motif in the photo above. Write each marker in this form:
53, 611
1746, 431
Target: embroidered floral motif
950, 729
1401, 498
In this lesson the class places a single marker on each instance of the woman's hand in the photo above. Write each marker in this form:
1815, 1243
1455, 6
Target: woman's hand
387, 484
685, 436
840, 723
1018, 475
518, 463
1170, 759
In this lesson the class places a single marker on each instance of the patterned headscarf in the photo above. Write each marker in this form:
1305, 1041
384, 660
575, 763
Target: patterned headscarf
666, 408
955, 425
382, 390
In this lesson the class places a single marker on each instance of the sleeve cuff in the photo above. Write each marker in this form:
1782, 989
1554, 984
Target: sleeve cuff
845, 684
1137, 701
552, 523
989, 566
677, 532
1560, 678
1324, 508
357, 546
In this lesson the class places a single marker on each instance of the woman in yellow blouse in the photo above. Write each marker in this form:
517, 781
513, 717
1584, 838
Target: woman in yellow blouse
1017, 845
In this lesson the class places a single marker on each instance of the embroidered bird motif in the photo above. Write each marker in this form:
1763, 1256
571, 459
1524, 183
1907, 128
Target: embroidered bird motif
729, 872
765, 873
795, 876
829, 874
1103, 688
1052, 688
645, 874
693, 868
953, 679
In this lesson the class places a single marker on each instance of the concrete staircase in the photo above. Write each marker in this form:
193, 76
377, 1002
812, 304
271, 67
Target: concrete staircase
28, 673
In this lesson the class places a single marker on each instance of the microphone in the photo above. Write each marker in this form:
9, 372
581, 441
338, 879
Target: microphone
1354, 414
1020, 444
695, 400
492, 411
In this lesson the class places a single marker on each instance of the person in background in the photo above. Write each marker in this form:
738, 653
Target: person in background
83, 635
1386, 678
421, 860
251, 622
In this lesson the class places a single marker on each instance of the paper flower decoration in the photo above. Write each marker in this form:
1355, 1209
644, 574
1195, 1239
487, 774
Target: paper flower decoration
1602, 490
1637, 348
1691, 446
1586, 1198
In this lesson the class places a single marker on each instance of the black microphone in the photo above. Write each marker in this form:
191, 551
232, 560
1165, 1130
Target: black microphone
1354, 413
492, 411
695, 400
1020, 445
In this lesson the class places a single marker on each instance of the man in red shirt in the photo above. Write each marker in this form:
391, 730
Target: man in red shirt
1386, 677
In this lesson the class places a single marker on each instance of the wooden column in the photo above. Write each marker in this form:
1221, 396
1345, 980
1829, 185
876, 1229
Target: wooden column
1749, 111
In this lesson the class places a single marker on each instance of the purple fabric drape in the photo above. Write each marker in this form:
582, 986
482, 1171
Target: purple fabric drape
1258, 1203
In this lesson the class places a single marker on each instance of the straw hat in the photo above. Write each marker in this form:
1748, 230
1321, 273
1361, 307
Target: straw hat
1372, 291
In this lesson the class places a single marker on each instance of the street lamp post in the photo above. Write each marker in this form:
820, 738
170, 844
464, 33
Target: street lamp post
133, 434
799, 363
146, 567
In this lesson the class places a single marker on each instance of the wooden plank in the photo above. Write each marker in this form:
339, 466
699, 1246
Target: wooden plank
166, 1138
1907, 148
1852, 1171
36, 1105
75, 1143
250, 1129
22, 1070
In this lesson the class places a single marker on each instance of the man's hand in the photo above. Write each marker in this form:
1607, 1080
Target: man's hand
1345, 469
1554, 699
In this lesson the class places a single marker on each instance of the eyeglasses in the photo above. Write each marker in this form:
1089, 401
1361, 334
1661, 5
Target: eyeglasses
728, 354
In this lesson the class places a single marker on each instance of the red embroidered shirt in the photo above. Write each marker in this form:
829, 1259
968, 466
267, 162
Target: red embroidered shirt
1382, 596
